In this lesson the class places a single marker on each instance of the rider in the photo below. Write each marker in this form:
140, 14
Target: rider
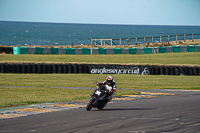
110, 87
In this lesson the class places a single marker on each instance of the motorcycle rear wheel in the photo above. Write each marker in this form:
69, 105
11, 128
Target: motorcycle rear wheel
89, 105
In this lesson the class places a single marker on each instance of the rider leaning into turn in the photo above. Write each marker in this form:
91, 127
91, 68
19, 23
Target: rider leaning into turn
110, 87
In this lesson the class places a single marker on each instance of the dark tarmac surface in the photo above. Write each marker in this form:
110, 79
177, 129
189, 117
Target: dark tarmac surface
179, 113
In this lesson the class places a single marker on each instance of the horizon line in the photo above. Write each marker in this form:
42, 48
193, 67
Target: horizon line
94, 23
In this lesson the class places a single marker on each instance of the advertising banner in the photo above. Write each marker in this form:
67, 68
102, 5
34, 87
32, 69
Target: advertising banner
136, 70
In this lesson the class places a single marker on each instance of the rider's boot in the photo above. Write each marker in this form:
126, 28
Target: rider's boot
109, 98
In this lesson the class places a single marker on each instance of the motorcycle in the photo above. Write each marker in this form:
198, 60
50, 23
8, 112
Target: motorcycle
96, 99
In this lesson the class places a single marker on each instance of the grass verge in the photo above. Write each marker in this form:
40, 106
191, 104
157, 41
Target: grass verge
40, 91
184, 58
11, 97
87, 80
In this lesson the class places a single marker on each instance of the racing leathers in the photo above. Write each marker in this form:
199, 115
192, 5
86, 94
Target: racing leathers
109, 89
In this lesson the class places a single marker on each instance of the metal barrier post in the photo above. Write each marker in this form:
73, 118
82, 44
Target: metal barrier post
184, 37
152, 39
192, 37
136, 40
160, 39
168, 38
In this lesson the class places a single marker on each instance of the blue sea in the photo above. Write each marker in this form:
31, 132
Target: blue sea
56, 34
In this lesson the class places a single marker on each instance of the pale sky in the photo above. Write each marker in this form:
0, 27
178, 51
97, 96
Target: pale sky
140, 12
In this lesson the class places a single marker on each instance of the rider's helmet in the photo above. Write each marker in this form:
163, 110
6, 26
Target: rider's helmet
109, 80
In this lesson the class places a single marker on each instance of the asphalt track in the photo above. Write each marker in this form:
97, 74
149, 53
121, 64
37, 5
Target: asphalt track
179, 113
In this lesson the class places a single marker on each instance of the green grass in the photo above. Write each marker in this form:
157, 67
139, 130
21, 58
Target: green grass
165, 58
25, 96
40, 91
88, 80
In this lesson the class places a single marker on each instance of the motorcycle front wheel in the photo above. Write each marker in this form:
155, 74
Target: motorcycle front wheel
89, 105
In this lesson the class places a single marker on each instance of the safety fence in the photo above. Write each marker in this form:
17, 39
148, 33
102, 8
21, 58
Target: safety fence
88, 51
98, 69
143, 40
40, 50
